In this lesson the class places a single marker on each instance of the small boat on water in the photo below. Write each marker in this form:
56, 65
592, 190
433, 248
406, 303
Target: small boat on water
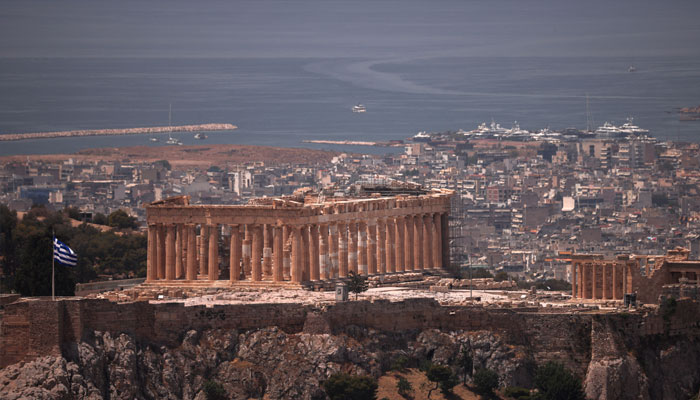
154, 139
172, 140
359, 108
632, 68
200, 136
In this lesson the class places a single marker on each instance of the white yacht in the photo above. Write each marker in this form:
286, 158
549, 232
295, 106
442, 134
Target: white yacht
200, 136
630, 128
172, 140
421, 136
359, 108
517, 132
608, 129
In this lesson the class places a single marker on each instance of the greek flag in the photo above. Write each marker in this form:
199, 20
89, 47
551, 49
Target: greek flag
63, 254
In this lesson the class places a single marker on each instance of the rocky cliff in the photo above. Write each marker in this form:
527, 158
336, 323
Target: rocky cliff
621, 356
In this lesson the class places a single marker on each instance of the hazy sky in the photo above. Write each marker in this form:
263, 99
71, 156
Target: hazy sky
358, 28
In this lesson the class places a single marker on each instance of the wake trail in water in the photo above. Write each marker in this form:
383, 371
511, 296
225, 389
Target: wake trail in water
362, 74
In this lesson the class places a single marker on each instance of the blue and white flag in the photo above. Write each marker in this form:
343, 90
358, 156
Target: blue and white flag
64, 254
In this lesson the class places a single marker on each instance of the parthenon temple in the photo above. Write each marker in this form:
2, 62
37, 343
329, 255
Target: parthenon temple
595, 278
296, 239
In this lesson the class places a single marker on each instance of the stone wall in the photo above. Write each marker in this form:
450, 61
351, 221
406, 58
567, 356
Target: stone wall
38, 327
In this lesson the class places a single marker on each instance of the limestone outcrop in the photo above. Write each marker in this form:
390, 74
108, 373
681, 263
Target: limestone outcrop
286, 351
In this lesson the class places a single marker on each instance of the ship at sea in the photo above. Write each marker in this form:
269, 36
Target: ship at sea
495, 131
627, 129
359, 108
200, 136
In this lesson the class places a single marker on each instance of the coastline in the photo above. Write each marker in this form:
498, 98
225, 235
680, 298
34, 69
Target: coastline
116, 132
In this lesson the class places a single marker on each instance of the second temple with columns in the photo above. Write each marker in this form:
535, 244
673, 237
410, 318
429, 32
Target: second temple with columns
296, 239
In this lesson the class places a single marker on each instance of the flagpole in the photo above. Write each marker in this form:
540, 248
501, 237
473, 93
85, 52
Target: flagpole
53, 268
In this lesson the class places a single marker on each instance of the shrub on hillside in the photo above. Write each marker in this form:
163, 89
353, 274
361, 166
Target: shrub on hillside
556, 382
485, 381
350, 387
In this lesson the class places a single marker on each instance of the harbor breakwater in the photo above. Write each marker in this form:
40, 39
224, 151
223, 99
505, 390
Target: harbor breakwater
114, 132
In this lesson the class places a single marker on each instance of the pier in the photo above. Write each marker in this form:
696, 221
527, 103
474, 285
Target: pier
126, 131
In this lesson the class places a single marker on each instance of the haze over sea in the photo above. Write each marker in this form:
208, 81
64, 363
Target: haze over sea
289, 71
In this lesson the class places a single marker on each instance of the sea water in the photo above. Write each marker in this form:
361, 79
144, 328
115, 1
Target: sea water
285, 73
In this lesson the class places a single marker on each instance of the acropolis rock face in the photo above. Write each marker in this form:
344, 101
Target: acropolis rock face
98, 349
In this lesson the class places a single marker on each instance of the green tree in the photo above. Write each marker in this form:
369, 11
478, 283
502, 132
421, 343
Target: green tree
8, 258
100, 219
556, 382
357, 283
72, 212
500, 276
120, 219
350, 387
466, 362
163, 164
485, 381
33, 276
404, 387
214, 391
442, 376
479, 273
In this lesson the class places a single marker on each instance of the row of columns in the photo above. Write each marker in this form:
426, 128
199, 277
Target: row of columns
600, 280
299, 252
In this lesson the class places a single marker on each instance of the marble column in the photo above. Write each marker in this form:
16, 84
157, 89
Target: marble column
574, 265
427, 242
247, 251
362, 248
305, 254
170, 252
314, 244
178, 252
400, 241
286, 253
352, 247
256, 257
278, 254
418, 261
203, 249
342, 250
267, 252
296, 254
333, 243
615, 290
606, 293
160, 243
581, 283
372, 247
235, 254
437, 241
260, 245
408, 242
323, 257
152, 260
445, 240
191, 274
381, 246
594, 281
390, 245
213, 270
